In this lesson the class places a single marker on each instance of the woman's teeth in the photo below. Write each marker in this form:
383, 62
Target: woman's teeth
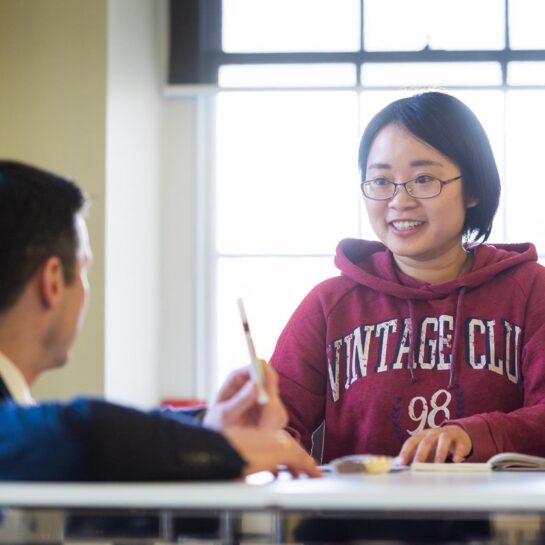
406, 225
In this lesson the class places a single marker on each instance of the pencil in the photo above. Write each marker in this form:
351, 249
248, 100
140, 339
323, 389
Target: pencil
257, 371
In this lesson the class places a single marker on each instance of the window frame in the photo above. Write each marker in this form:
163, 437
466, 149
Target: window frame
202, 82
196, 53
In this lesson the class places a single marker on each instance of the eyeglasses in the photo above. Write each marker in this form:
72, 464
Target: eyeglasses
422, 187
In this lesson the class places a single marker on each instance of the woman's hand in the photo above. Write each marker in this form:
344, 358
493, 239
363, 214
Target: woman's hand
435, 445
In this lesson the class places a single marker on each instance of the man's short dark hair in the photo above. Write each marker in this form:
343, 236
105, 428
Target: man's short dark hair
448, 125
38, 212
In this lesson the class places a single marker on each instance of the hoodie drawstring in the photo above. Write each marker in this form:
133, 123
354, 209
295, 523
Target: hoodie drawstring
454, 354
455, 342
411, 340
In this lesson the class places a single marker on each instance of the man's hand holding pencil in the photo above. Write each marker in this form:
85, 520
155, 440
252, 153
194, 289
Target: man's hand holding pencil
256, 429
249, 412
236, 403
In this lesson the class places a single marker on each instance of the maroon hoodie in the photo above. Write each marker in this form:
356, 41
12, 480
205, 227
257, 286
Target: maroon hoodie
477, 346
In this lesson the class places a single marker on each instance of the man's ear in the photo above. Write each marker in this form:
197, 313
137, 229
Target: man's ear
51, 282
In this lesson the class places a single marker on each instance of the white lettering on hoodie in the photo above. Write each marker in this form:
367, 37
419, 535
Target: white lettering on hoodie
387, 344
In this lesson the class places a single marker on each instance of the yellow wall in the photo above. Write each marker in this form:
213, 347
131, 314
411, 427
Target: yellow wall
53, 113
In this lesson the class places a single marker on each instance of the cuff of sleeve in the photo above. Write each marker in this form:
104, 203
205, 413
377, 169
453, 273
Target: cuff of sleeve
198, 415
483, 444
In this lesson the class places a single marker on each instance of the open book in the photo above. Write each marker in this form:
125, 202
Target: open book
368, 463
505, 461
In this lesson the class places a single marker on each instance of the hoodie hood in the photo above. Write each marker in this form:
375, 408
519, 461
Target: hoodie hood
371, 264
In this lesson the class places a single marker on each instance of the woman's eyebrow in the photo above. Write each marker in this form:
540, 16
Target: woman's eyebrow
415, 163
425, 163
379, 165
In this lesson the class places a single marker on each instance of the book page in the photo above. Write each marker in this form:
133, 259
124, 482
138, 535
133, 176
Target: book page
516, 461
463, 467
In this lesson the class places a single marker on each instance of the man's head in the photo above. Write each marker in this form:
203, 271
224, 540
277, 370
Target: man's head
44, 252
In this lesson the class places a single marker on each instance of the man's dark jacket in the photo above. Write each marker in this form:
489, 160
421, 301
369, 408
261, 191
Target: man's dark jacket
92, 440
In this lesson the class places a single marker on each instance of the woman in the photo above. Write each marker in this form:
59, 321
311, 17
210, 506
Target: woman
431, 344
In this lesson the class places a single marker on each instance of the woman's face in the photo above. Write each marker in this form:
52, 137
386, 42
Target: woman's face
415, 230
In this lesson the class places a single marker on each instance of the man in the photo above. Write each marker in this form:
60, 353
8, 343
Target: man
44, 257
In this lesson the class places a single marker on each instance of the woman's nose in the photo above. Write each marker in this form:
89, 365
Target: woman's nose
401, 198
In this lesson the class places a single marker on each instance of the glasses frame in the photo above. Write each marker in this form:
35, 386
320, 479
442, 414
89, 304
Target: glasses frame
404, 185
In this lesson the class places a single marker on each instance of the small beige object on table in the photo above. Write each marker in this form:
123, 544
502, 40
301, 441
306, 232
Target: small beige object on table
362, 463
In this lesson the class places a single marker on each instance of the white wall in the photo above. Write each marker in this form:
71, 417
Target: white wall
134, 84
178, 249
52, 114
82, 93
150, 214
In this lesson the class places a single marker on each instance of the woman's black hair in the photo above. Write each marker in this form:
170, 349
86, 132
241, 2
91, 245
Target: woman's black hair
449, 126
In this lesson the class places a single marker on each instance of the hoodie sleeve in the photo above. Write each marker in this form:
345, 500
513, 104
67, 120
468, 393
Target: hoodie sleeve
521, 430
301, 363
93, 440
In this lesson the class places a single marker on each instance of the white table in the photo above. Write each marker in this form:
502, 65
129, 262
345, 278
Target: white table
414, 493
421, 491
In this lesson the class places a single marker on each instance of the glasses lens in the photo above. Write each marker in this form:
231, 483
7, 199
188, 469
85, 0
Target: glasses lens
424, 187
378, 189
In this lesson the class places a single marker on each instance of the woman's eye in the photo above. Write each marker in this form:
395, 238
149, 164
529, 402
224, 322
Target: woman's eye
380, 182
421, 180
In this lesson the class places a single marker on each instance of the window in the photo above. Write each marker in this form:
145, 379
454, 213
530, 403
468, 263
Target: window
287, 192
394, 25
295, 82
251, 26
